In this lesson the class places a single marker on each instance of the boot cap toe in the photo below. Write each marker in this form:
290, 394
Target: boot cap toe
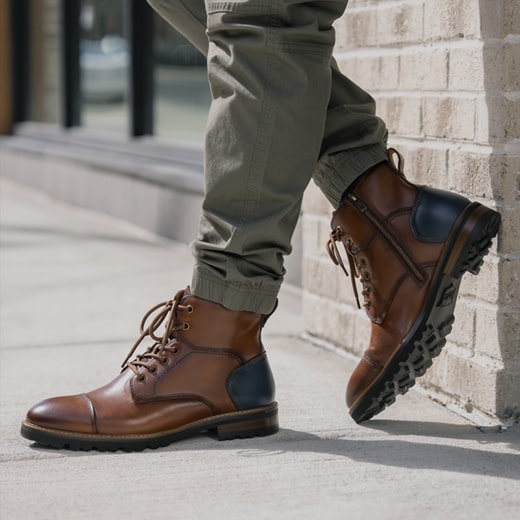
71, 413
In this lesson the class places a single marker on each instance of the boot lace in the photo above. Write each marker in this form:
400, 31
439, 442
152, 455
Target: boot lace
165, 312
357, 265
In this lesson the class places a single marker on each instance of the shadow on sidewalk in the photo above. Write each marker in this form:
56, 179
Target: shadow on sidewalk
386, 452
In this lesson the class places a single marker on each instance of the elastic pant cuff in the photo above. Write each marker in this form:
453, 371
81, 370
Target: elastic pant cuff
233, 296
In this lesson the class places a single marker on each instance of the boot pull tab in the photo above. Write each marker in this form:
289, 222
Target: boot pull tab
265, 317
399, 165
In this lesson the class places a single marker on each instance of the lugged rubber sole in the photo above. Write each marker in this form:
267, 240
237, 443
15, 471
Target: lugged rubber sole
466, 247
257, 422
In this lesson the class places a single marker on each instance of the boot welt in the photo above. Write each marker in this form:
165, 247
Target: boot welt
243, 424
468, 243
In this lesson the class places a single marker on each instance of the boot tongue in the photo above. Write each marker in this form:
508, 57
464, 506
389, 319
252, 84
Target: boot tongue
179, 295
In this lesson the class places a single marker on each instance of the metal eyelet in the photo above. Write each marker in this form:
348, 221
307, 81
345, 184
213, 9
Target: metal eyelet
186, 326
189, 309
141, 378
153, 368
164, 360
175, 350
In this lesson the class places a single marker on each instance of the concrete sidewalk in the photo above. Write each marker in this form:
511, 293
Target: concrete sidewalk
74, 286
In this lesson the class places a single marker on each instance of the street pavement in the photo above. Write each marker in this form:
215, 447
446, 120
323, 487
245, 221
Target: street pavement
74, 286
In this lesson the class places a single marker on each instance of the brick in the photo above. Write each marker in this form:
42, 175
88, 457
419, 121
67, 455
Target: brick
319, 277
492, 18
485, 66
509, 280
435, 378
450, 19
463, 332
509, 234
403, 117
467, 68
373, 73
423, 69
509, 337
487, 335
511, 17
344, 291
468, 286
487, 288
310, 233
498, 119
323, 237
399, 23
475, 383
491, 176
508, 395
511, 66
362, 326
449, 118
327, 320
315, 202
499, 18
425, 165
353, 29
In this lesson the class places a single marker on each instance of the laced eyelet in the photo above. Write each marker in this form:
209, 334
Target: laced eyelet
189, 309
153, 368
141, 378
175, 350
366, 274
164, 360
363, 262
368, 305
186, 326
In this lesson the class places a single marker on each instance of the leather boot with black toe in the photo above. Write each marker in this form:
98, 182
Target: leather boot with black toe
208, 371
409, 246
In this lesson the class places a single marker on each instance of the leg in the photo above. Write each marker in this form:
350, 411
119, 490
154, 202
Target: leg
266, 60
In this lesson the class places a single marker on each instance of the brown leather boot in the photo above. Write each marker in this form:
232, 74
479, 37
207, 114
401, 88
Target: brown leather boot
208, 371
409, 245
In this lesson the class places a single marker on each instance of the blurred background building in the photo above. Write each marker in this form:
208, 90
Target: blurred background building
72, 63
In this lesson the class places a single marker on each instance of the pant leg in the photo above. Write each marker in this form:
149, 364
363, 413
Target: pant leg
354, 139
269, 73
262, 147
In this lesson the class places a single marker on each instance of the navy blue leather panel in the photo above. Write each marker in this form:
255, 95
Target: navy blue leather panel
252, 384
434, 214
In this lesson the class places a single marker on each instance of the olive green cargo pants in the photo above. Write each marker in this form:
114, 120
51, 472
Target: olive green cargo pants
281, 114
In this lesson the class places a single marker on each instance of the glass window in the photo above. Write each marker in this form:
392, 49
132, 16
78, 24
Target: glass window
182, 95
104, 65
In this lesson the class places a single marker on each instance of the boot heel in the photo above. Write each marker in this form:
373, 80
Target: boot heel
473, 243
259, 424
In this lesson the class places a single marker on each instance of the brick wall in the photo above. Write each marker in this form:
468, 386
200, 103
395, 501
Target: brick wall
446, 77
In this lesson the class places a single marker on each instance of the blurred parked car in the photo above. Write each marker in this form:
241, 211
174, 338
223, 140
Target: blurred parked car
104, 68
